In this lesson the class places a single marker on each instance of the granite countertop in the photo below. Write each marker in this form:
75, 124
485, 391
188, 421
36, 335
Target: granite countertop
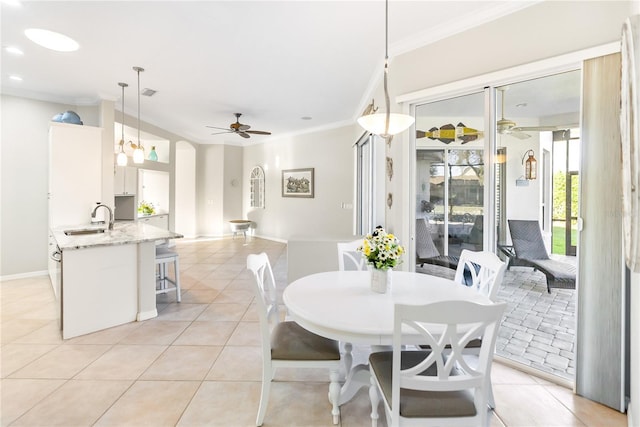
122, 234
152, 215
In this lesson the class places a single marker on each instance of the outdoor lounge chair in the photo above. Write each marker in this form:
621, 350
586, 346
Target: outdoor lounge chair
529, 250
426, 251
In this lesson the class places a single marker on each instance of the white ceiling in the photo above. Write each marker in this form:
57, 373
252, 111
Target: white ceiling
273, 61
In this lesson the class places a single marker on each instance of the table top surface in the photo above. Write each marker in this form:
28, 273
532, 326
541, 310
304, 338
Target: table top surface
342, 306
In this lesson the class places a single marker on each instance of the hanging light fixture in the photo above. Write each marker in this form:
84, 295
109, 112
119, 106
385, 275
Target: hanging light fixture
122, 157
138, 152
385, 124
530, 165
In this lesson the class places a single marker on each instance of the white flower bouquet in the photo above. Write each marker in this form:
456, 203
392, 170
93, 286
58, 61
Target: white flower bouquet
382, 250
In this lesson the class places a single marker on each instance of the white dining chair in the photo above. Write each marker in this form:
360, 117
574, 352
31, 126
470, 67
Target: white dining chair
484, 272
348, 256
287, 344
349, 259
437, 387
481, 270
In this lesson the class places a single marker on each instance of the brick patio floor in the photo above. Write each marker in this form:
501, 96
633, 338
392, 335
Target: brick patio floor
538, 328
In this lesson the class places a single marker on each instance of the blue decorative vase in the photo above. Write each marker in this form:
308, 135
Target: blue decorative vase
71, 117
153, 155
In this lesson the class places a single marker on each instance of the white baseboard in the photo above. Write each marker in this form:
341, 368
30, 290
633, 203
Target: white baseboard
24, 275
145, 315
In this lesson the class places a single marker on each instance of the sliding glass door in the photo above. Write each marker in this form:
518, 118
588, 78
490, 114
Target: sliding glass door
474, 174
450, 172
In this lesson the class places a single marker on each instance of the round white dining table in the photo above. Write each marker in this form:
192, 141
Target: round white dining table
341, 305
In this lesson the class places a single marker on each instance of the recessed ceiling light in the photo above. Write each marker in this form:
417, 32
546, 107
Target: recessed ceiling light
51, 40
13, 50
15, 78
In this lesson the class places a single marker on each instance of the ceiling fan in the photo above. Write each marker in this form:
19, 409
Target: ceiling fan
509, 127
239, 128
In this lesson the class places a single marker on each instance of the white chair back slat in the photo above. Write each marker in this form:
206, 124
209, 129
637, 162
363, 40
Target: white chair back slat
485, 269
349, 258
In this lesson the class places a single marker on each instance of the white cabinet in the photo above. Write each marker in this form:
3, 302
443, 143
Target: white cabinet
99, 288
75, 173
160, 221
125, 180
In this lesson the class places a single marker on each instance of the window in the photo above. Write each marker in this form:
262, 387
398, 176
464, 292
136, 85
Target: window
257, 187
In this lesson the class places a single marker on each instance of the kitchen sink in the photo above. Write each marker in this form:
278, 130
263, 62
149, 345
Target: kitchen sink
82, 231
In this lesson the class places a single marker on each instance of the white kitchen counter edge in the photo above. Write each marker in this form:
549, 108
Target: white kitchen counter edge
122, 234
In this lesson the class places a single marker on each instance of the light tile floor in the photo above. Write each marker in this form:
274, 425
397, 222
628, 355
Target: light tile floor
198, 362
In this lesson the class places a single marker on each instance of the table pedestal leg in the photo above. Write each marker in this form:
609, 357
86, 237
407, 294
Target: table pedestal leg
357, 378
347, 358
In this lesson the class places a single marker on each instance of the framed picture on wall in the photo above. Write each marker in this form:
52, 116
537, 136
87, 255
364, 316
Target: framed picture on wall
298, 183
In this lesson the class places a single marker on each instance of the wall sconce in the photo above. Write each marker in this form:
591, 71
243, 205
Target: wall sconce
530, 165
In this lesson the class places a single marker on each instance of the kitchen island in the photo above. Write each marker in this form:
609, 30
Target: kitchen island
106, 277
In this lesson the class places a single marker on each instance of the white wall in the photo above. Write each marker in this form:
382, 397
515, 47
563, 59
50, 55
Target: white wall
25, 176
330, 153
232, 185
185, 193
209, 191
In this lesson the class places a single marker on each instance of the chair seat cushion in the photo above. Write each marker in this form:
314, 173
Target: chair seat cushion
474, 343
162, 253
290, 341
420, 404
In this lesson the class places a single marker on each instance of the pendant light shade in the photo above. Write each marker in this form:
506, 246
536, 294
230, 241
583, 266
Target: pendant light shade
377, 123
385, 124
122, 157
138, 152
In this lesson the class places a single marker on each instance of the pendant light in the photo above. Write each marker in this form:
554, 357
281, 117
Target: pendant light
122, 157
385, 124
138, 152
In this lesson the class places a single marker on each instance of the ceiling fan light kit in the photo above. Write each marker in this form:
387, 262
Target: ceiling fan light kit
385, 124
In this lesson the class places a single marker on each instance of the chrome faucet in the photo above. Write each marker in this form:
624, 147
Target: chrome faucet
93, 214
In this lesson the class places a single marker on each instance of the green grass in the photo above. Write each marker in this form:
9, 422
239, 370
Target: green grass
558, 240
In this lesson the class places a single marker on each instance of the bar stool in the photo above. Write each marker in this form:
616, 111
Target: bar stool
165, 284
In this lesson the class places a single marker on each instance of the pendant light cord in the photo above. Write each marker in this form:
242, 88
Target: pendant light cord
122, 127
386, 69
138, 69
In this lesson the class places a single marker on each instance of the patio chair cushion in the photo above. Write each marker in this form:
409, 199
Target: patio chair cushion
530, 250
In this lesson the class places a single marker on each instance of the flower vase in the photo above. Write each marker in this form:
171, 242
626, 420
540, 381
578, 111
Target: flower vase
380, 279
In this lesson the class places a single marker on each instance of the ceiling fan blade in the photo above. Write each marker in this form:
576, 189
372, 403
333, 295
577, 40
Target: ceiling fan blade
258, 132
215, 127
534, 128
244, 127
244, 134
519, 135
220, 133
